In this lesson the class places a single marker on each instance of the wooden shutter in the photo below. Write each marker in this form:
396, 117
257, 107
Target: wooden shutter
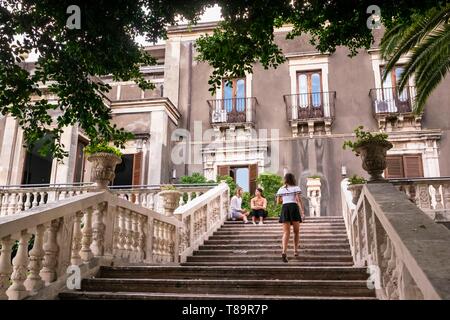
394, 167
223, 170
253, 174
412, 165
137, 164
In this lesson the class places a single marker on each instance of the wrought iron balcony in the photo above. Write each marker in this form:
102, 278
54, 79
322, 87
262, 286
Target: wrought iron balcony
304, 107
232, 111
387, 101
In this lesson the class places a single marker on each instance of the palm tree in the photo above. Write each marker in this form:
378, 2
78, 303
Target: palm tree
427, 39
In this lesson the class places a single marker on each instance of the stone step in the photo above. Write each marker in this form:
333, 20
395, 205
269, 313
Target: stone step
276, 237
277, 232
270, 257
255, 252
251, 226
285, 272
273, 246
307, 222
272, 263
276, 240
83, 295
291, 287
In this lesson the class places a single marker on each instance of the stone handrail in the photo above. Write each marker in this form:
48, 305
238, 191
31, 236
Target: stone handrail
407, 252
96, 227
14, 199
201, 217
147, 195
431, 195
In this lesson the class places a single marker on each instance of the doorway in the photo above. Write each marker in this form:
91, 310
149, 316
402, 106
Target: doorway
128, 172
37, 168
244, 175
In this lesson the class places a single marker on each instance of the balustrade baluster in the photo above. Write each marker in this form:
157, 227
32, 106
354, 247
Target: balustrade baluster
34, 281
189, 196
35, 199
446, 193
17, 290
141, 238
5, 265
12, 204
135, 233
156, 247
86, 240
75, 258
98, 231
144, 199
20, 204
48, 272
5, 204
116, 233
151, 201
122, 232
129, 234
439, 204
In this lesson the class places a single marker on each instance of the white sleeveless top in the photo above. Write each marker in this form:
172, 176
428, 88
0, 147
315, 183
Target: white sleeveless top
288, 194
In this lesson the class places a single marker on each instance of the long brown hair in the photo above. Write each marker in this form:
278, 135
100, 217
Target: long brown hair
289, 180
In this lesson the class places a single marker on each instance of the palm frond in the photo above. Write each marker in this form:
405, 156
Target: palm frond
427, 38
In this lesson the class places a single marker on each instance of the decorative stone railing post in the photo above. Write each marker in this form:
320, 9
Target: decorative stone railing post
5, 265
86, 240
75, 258
34, 281
17, 289
98, 231
48, 272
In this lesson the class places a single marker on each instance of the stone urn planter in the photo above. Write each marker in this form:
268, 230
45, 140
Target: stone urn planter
171, 200
355, 189
103, 168
373, 156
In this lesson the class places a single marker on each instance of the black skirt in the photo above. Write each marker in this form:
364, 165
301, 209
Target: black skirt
259, 213
290, 212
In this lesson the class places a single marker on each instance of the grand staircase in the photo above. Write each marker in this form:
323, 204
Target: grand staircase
244, 262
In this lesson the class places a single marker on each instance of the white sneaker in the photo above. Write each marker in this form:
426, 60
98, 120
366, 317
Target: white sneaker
254, 223
260, 224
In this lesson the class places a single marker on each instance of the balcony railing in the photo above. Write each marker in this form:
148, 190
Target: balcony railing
306, 106
391, 101
232, 111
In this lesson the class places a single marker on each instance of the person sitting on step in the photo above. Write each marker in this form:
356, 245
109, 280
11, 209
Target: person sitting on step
258, 205
236, 207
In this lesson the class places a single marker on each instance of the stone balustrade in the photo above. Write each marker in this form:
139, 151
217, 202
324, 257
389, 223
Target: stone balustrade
87, 230
14, 199
147, 195
201, 217
431, 195
407, 254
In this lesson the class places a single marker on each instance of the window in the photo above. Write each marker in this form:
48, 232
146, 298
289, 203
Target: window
396, 101
404, 166
37, 168
234, 94
309, 88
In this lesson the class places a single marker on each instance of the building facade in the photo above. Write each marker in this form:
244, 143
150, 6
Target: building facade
294, 118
